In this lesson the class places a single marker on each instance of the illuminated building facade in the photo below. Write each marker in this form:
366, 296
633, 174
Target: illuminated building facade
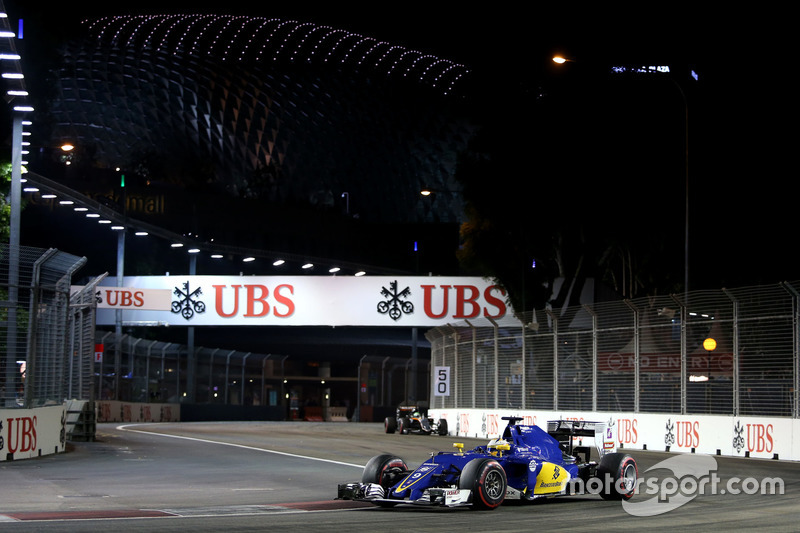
277, 111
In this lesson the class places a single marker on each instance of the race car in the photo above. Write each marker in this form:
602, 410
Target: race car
526, 463
410, 419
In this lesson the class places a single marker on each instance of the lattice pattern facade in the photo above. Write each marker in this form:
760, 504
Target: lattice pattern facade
266, 109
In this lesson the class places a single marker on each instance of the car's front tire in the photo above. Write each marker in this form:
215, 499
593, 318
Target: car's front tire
487, 481
441, 428
403, 425
618, 476
383, 469
390, 424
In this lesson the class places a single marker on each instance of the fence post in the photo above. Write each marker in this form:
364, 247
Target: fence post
455, 374
227, 375
636, 353
795, 350
684, 332
443, 362
496, 384
524, 381
735, 341
554, 318
594, 355
474, 363
244, 364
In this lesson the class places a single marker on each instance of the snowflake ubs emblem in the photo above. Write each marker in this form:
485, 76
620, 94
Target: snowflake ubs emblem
669, 438
738, 439
394, 304
187, 306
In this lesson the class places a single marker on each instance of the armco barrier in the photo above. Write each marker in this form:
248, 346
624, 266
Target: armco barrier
757, 437
28, 433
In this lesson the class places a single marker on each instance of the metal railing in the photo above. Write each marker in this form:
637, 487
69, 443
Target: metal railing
156, 371
730, 351
35, 332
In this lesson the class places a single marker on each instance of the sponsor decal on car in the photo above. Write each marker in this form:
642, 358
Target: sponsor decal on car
419, 474
552, 478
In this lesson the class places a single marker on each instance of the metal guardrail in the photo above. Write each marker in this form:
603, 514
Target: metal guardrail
730, 351
156, 371
35, 331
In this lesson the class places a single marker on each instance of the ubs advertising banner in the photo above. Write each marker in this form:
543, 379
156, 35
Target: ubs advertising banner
305, 301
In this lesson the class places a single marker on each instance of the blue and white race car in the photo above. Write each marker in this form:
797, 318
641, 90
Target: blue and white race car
527, 463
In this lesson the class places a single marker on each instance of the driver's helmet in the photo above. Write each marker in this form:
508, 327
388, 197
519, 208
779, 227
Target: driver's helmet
494, 443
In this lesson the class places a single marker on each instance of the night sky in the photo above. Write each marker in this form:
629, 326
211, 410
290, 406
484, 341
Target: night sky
741, 180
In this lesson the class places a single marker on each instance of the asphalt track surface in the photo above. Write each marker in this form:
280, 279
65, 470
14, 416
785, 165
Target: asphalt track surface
258, 476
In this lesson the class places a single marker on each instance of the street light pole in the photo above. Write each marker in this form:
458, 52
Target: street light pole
11, 376
118, 313
686, 195
17, 93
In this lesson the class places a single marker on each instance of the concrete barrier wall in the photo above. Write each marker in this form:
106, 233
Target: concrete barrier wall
768, 438
27, 433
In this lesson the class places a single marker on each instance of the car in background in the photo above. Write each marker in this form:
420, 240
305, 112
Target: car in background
411, 419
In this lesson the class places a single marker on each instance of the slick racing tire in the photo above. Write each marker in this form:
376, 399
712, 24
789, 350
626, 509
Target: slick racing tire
390, 424
404, 425
441, 428
383, 469
487, 481
618, 475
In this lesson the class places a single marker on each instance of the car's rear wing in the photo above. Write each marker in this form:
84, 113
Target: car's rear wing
565, 430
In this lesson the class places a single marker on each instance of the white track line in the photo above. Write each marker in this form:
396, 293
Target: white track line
242, 446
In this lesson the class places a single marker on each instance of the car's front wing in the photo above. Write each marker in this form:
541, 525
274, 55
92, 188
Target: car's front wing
438, 496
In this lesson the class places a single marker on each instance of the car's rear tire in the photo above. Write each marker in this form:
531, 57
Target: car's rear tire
381, 469
487, 480
390, 424
618, 475
403, 425
441, 428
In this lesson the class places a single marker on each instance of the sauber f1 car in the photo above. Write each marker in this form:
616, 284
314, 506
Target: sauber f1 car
526, 463
410, 419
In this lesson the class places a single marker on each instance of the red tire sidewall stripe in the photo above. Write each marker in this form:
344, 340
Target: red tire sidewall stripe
622, 468
484, 472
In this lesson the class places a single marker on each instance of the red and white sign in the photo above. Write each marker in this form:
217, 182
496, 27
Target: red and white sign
130, 298
315, 301
27, 433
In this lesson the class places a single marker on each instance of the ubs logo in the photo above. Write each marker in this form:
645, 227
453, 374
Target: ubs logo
669, 437
395, 304
188, 304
